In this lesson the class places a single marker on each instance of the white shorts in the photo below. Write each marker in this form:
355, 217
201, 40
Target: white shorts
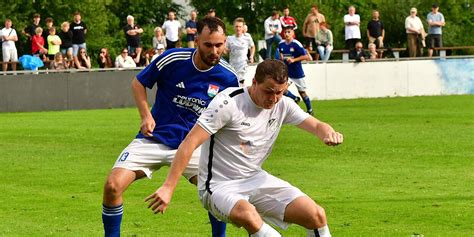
299, 83
9, 54
149, 156
269, 194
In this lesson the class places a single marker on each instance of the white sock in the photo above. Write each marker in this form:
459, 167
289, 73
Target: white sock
321, 232
266, 231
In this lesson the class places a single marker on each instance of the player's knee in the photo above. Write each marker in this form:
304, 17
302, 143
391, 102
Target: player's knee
112, 188
317, 218
247, 217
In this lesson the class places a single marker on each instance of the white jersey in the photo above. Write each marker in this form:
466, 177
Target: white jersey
242, 135
238, 49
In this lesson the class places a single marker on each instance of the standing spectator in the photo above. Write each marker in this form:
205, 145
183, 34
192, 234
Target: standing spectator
375, 30
358, 53
49, 23
191, 29
159, 38
435, 22
373, 51
124, 61
30, 30
324, 40
132, 34
287, 21
58, 62
238, 45
414, 29
37, 44
66, 40
54, 43
311, 26
273, 29
171, 27
82, 61
352, 30
292, 53
9, 52
104, 59
79, 31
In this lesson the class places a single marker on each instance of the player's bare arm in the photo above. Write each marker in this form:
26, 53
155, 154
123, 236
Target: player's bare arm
148, 123
159, 200
322, 130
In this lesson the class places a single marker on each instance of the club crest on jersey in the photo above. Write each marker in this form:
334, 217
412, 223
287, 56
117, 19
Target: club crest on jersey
292, 49
212, 90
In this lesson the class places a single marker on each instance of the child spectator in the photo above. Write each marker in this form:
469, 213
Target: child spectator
37, 44
54, 43
58, 63
66, 40
82, 60
49, 24
104, 59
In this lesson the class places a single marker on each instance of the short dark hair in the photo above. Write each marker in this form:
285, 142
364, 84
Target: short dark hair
36, 15
239, 19
286, 7
49, 19
271, 68
77, 13
213, 23
274, 13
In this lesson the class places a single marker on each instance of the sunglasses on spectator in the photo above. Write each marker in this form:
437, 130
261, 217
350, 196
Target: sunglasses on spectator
124, 51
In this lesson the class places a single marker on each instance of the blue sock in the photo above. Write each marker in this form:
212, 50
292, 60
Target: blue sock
291, 95
307, 102
218, 227
112, 218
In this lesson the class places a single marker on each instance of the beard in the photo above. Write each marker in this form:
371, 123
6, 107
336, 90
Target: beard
209, 59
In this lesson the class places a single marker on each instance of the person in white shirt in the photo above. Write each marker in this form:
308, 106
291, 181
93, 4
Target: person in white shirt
9, 52
237, 132
171, 28
124, 61
414, 29
273, 29
238, 46
352, 29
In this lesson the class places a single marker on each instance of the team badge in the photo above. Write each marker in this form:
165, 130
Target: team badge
212, 90
292, 49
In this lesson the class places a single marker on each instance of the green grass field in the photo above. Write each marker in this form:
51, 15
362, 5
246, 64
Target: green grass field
406, 167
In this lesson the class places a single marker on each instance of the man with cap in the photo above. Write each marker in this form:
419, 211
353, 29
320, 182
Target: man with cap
435, 22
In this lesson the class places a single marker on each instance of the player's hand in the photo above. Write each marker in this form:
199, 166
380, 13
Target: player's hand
251, 60
159, 200
147, 126
333, 139
290, 60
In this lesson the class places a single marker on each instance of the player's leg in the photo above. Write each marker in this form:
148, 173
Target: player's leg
6, 58
112, 206
305, 212
244, 214
301, 86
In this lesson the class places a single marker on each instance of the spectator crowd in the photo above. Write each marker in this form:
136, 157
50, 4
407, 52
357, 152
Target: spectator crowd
66, 47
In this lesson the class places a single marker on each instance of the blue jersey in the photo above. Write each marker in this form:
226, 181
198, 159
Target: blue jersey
183, 92
292, 50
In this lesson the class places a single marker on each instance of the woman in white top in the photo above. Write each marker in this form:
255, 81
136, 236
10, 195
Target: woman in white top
414, 29
124, 61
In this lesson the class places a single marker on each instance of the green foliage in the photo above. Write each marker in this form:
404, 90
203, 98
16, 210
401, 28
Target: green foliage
405, 167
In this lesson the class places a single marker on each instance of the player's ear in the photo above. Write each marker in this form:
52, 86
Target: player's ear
254, 82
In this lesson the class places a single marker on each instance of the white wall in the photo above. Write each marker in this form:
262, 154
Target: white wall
388, 78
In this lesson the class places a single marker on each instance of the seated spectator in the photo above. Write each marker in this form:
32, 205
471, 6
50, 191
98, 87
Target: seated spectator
54, 43
104, 59
324, 40
358, 53
139, 57
66, 40
58, 63
158, 51
82, 60
37, 44
124, 61
159, 38
373, 54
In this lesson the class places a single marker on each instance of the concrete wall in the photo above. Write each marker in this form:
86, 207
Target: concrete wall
111, 89
67, 91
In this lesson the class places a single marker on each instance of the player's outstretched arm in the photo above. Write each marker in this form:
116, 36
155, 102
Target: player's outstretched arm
139, 93
159, 200
322, 130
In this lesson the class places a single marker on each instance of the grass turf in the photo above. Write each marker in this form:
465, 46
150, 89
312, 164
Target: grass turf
406, 167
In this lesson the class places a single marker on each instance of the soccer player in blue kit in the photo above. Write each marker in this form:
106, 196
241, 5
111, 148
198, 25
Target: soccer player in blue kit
292, 53
187, 80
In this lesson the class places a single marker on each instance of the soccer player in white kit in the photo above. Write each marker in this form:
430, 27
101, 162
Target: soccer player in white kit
238, 130
238, 46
